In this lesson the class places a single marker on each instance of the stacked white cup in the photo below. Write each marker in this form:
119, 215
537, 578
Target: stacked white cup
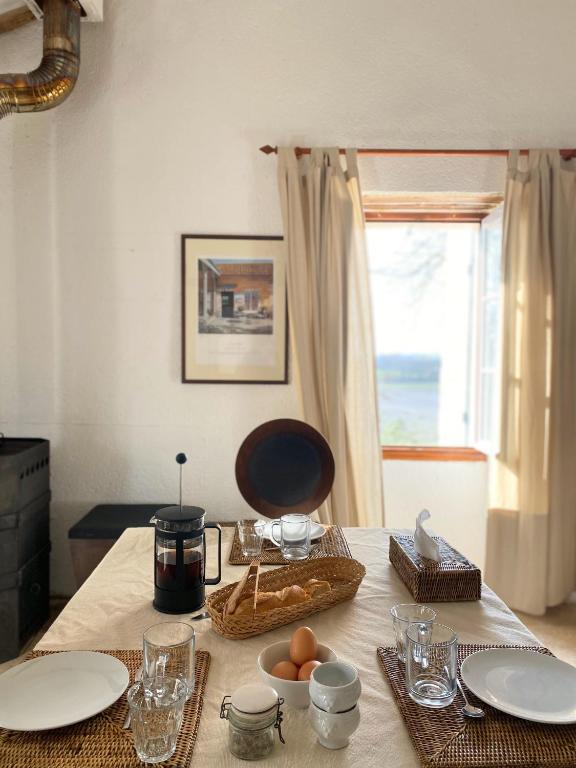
334, 710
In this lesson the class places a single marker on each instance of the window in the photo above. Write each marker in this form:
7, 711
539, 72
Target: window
251, 300
487, 380
436, 302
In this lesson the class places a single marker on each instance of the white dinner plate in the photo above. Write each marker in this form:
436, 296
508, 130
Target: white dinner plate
523, 683
316, 530
60, 689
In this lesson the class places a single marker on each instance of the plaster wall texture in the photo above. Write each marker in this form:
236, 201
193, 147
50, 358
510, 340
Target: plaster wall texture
455, 492
160, 138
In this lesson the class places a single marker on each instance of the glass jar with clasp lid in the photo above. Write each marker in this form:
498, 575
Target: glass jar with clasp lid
253, 713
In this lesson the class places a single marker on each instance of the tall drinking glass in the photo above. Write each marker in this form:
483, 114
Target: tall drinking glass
169, 651
294, 540
431, 665
250, 536
156, 708
405, 614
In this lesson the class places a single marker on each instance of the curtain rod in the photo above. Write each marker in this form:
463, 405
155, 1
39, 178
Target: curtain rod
567, 154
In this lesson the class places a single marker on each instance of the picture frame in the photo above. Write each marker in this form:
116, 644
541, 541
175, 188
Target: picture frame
234, 310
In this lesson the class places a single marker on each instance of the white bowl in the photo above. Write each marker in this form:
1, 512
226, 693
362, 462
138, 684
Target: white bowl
294, 692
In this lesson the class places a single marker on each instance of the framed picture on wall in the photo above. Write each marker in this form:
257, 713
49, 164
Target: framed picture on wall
234, 315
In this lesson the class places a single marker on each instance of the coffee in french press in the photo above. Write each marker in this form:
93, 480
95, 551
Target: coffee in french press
180, 556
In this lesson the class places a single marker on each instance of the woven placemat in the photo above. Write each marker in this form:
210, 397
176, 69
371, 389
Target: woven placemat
332, 544
444, 738
101, 741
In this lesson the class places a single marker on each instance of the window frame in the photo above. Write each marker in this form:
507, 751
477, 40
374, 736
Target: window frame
481, 371
431, 453
424, 208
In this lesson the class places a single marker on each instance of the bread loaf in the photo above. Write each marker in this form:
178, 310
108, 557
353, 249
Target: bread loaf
293, 595
267, 601
315, 587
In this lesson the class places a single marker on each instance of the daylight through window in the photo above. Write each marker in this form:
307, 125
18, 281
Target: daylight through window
435, 297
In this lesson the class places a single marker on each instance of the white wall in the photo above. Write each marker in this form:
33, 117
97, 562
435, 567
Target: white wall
159, 138
454, 492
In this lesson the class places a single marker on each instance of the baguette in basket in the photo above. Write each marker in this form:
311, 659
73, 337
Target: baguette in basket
342, 574
292, 595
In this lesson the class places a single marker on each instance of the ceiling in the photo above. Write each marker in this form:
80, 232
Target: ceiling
93, 8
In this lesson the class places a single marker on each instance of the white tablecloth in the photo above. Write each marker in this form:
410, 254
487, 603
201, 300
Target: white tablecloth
114, 606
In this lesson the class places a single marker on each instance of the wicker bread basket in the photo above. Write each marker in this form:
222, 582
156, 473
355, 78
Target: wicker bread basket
344, 575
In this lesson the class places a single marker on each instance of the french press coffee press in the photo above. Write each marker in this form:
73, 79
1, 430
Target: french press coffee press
180, 556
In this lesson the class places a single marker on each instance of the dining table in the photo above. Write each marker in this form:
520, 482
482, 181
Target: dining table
114, 606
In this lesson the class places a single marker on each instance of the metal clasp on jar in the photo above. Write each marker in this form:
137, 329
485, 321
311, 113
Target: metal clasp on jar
279, 718
224, 708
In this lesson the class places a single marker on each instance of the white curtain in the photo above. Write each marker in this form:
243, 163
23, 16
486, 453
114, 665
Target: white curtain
531, 547
331, 324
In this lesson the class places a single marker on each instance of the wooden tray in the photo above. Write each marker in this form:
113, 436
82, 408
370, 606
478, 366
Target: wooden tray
101, 741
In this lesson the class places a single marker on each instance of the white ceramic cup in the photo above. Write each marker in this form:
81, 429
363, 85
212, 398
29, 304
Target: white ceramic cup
335, 686
334, 729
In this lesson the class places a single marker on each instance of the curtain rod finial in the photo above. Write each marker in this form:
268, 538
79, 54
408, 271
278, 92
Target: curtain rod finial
268, 150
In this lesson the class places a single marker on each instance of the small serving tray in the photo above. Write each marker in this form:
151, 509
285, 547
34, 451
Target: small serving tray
332, 544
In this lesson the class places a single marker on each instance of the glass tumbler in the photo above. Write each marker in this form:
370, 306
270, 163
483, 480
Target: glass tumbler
169, 651
431, 665
156, 708
250, 536
405, 614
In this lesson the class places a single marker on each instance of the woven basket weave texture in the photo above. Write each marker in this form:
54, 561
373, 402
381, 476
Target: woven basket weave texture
332, 544
344, 574
444, 738
453, 579
101, 741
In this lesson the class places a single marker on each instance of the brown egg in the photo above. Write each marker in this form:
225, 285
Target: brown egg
307, 669
285, 670
303, 646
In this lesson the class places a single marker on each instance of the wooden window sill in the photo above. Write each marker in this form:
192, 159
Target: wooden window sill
430, 453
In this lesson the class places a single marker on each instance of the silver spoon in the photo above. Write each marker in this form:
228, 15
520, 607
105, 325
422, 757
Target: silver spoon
469, 710
199, 616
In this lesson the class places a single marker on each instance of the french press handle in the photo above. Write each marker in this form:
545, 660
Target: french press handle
219, 577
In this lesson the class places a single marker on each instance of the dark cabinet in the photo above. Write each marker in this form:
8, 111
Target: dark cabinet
24, 541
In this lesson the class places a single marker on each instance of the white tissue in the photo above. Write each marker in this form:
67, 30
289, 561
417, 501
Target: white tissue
423, 542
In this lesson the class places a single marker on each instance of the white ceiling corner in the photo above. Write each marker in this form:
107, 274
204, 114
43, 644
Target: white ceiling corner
94, 9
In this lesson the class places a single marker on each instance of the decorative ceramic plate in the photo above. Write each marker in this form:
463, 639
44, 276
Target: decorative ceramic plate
60, 689
284, 466
523, 683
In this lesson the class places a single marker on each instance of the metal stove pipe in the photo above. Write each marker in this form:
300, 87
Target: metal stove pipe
52, 82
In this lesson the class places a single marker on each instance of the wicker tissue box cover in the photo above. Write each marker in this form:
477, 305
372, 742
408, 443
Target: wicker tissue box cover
453, 579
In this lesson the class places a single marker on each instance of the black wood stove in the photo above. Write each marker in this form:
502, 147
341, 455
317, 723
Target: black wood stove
24, 540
